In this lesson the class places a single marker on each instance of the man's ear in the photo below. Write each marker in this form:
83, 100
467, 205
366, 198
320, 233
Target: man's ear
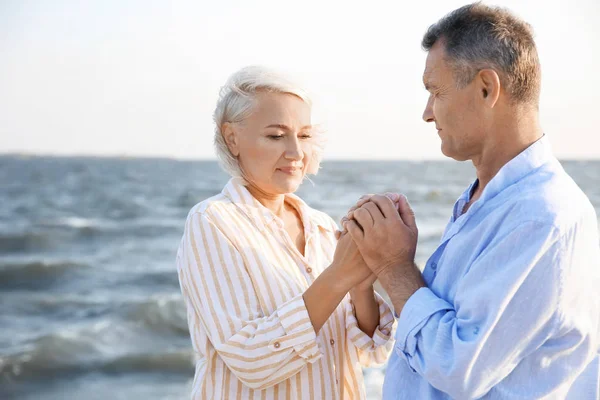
231, 138
488, 83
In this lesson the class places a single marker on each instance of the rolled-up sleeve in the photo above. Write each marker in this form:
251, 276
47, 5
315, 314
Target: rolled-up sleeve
261, 350
371, 350
505, 307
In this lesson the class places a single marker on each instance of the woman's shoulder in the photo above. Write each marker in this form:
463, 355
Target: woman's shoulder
211, 207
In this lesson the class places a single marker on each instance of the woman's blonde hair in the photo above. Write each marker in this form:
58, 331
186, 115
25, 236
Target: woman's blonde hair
236, 101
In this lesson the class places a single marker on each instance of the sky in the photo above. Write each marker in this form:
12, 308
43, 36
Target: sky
140, 78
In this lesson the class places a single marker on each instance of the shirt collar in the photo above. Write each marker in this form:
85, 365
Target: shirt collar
529, 160
262, 217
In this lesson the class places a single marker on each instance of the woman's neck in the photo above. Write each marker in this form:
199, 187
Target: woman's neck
274, 202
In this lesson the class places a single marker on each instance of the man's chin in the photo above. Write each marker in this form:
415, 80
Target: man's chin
451, 153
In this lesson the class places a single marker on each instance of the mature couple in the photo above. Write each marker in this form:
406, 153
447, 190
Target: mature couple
281, 304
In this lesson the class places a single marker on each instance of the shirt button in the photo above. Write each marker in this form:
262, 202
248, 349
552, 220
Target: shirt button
277, 345
332, 342
433, 266
308, 270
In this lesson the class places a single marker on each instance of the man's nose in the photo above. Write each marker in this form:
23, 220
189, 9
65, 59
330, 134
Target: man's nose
428, 113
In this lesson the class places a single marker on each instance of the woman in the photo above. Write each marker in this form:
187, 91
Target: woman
263, 276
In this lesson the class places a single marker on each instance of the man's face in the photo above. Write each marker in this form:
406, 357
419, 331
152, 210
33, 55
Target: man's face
455, 112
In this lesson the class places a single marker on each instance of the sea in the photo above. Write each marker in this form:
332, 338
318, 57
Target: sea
90, 305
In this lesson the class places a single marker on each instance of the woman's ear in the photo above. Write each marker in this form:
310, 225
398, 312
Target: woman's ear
231, 138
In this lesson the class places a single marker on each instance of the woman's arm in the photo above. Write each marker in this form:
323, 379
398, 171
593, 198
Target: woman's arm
345, 272
365, 307
261, 350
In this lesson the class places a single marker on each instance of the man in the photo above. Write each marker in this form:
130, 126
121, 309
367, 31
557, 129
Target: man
507, 307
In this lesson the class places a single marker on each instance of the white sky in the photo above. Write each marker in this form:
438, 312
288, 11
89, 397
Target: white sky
141, 77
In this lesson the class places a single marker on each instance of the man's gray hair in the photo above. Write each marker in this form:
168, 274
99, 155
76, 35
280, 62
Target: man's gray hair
237, 99
477, 36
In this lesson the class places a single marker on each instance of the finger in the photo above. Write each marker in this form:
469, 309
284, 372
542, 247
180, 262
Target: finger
363, 199
350, 214
385, 205
406, 212
374, 210
355, 232
364, 218
338, 234
343, 221
394, 197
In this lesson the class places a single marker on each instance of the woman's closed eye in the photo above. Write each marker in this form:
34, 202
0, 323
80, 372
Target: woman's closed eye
279, 136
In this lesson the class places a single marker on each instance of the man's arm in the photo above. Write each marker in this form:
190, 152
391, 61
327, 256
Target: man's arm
504, 309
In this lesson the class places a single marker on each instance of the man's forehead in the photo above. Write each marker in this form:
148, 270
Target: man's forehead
429, 73
434, 63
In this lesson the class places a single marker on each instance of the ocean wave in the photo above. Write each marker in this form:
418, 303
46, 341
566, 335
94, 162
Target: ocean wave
173, 362
81, 227
92, 228
56, 307
74, 222
55, 359
160, 314
102, 346
167, 279
35, 274
26, 242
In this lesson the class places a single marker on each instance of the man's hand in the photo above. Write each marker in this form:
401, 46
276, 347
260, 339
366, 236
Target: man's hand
361, 201
386, 234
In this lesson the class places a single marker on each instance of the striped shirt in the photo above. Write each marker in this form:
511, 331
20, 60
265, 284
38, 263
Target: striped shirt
242, 280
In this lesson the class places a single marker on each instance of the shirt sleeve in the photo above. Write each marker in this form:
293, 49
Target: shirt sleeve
260, 350
371, 350
504, 309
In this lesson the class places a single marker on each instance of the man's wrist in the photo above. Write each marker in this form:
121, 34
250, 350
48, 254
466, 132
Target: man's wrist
400, 282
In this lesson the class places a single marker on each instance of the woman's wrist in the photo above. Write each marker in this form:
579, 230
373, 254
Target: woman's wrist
359, 292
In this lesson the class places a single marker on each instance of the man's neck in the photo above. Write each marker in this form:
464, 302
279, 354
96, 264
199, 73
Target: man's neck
505, 142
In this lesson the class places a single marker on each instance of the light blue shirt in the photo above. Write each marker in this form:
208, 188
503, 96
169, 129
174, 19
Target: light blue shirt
512, 304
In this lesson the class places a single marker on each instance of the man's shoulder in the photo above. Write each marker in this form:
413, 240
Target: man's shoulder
549, 196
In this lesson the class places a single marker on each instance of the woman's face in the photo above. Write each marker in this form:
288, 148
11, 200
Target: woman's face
274, 144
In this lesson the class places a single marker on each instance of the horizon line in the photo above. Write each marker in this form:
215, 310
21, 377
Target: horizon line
442, 158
